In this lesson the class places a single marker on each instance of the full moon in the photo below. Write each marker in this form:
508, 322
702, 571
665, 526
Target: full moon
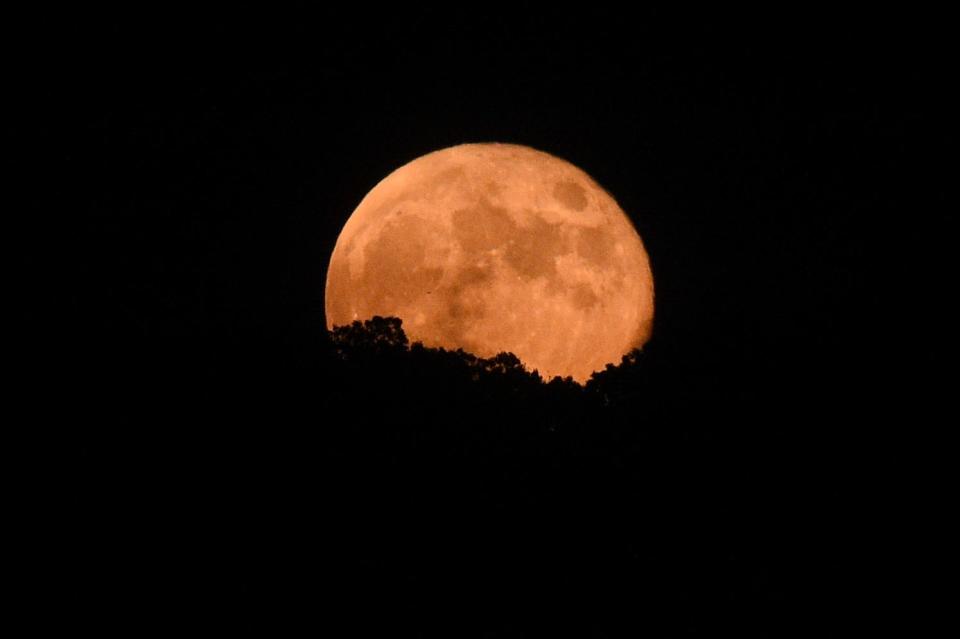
493, 248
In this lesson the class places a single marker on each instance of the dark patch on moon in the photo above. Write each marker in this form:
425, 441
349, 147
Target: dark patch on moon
465, 305
595, 244
533, 250
571, 195
482, 228
475, 275
583, 297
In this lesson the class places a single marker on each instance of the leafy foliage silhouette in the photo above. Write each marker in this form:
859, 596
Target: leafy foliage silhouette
383, 337
374, 336
455, 399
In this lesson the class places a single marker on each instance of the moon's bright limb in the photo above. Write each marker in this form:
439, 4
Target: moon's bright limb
497, 247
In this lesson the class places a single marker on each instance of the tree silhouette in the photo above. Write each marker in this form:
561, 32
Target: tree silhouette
377, 335
620, 383
455, 399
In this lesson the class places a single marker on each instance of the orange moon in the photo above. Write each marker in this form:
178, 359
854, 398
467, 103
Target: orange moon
492, 248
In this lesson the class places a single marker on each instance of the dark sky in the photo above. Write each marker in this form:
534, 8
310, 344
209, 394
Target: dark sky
187, 176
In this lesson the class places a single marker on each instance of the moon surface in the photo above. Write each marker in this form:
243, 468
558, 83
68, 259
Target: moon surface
493, 248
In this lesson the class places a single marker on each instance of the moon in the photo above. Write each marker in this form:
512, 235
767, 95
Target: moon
493, 248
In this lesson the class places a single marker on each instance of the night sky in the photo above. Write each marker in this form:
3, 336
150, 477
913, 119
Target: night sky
187, 178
